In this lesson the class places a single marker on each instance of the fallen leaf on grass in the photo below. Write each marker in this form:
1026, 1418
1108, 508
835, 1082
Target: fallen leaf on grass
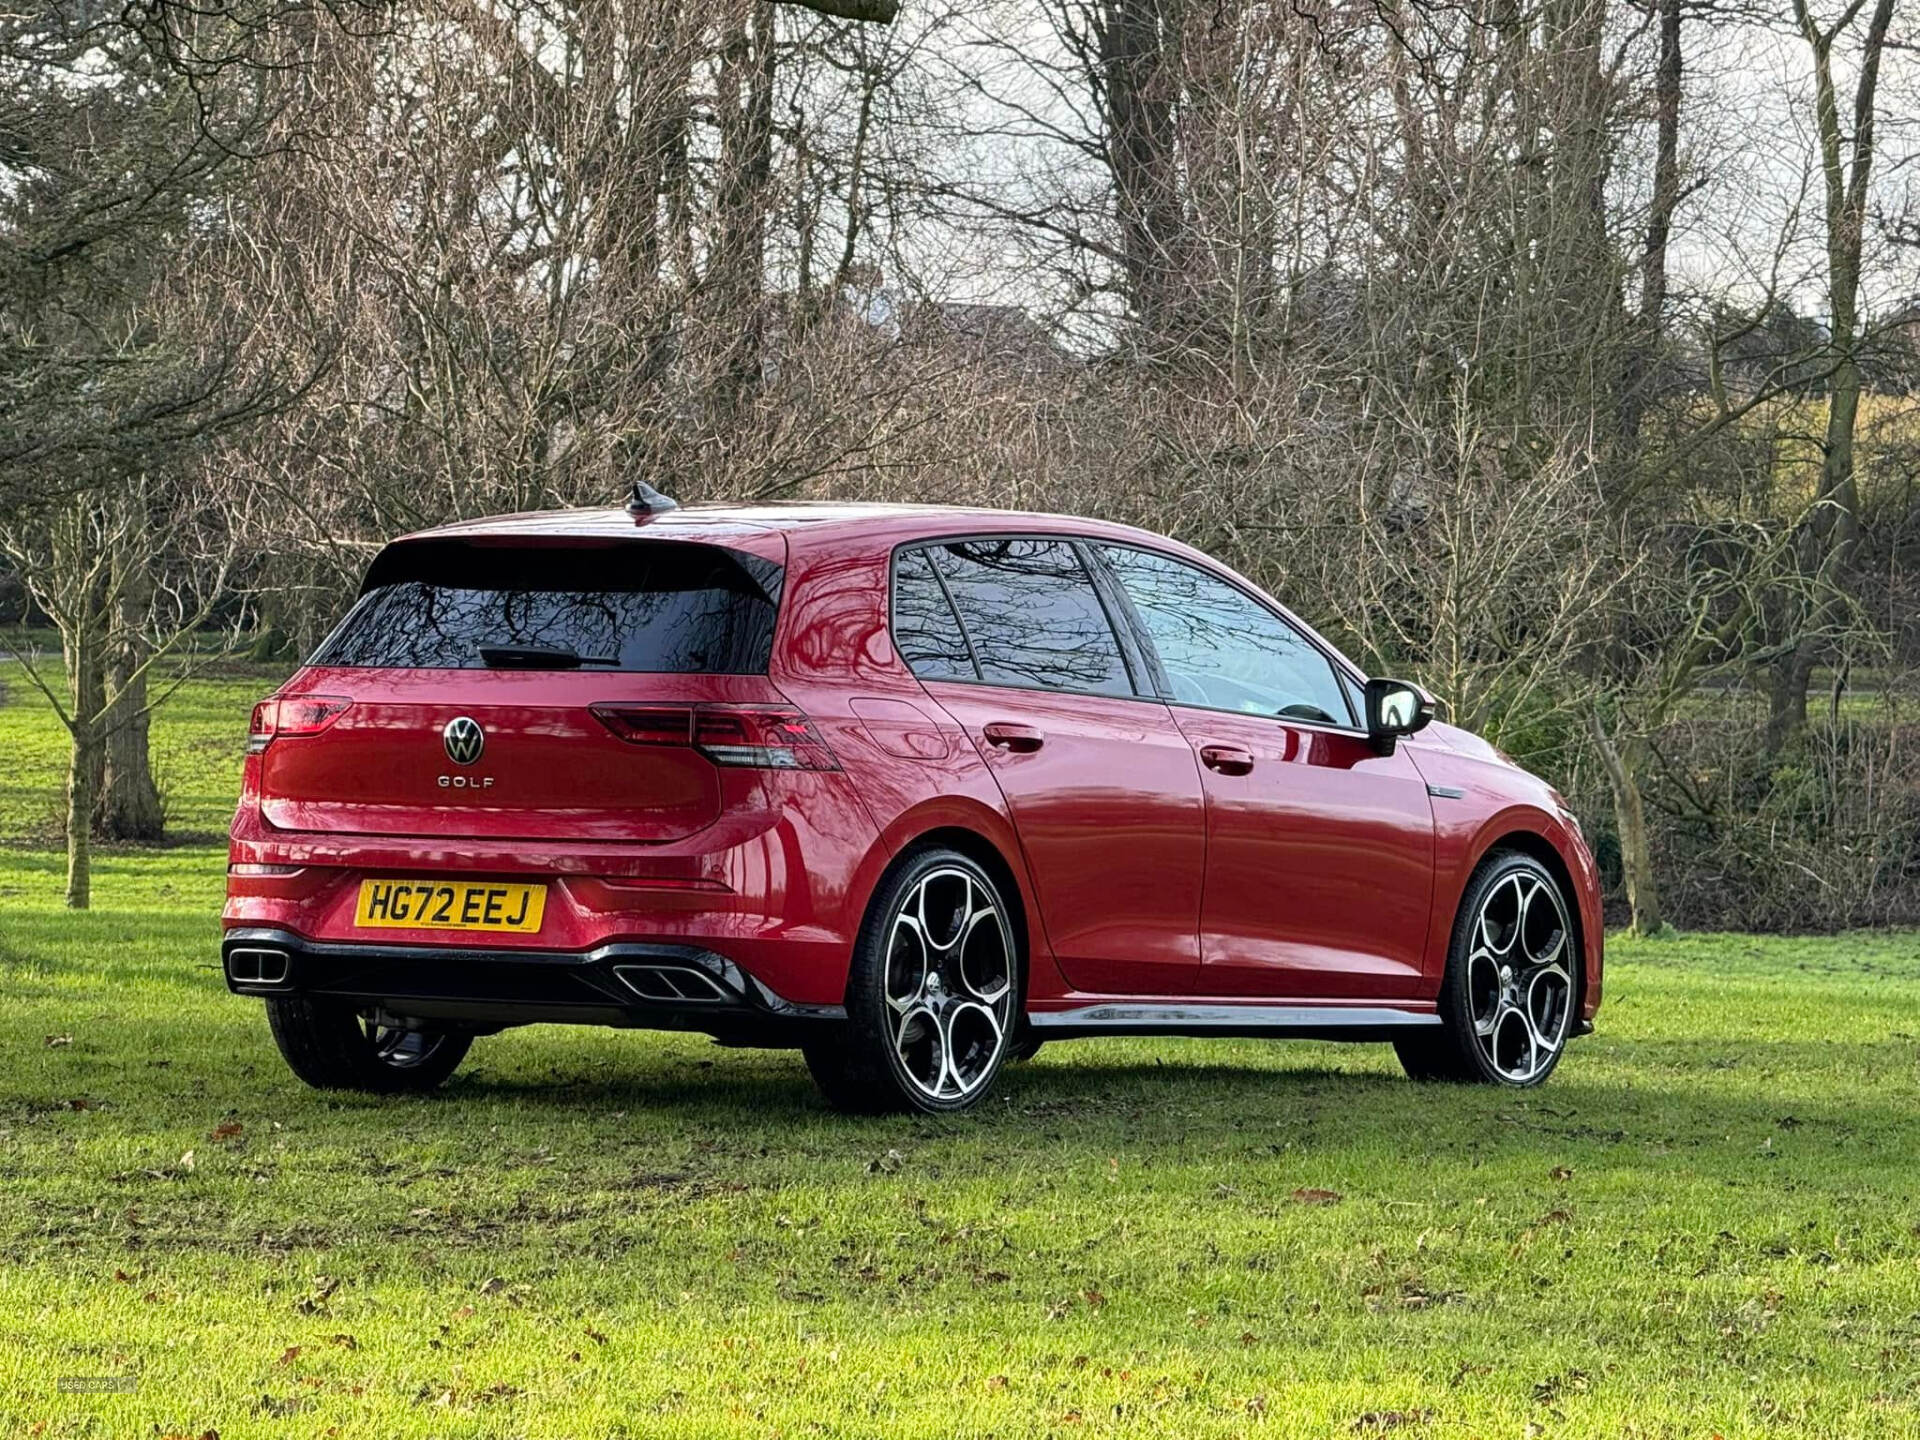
55, 1041
186, 1162
289, 1355
1560, 1172
1308, 1195
227, 1130
81, 1102
997, 1382
344, 1341
1096, 1300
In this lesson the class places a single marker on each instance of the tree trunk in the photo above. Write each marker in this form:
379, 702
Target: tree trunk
736, 273
1139, 65
1642, 354
85, 763
1787, 696
1833, 529
1621, 761
128, 806
80, 646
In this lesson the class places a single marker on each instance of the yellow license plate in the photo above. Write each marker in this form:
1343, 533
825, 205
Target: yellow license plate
450, 905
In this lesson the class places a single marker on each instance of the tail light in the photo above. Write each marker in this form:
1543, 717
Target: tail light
292, 715
759, 737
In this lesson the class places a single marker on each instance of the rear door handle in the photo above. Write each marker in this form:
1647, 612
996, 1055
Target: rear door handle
1020, 739
1227, 759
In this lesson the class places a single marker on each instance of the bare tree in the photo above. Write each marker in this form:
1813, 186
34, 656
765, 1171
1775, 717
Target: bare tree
1831, 532
89, 562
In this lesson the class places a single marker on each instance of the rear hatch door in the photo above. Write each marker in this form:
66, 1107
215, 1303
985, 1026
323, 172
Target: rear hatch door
468, 715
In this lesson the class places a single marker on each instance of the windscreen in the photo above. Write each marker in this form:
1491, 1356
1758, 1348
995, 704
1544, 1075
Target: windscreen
661, 607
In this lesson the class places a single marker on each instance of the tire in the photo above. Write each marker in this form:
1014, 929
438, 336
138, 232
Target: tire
1507, 1001
1024, 1046
933, 995
329, 1045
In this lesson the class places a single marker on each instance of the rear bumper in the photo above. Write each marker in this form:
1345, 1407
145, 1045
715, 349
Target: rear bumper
660, 986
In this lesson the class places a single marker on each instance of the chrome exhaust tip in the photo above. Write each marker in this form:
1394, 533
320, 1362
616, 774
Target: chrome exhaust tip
673, 984
258, 965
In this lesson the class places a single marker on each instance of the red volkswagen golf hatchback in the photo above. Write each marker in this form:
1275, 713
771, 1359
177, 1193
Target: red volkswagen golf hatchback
912, 789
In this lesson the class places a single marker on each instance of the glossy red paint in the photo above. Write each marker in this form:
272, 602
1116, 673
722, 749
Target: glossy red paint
1319, 862
1105, 798
1157, 852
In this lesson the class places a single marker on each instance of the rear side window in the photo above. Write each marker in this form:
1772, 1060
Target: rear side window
924, 626
661, 607
1033, 617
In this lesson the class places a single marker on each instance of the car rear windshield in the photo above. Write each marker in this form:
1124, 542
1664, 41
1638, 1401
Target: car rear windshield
664, 607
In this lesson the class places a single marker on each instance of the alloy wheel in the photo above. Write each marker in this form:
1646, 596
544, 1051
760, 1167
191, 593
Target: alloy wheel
949, 984
1519, 984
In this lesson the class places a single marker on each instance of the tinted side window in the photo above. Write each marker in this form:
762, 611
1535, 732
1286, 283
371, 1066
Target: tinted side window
924, 626
1033, 615
1220, 648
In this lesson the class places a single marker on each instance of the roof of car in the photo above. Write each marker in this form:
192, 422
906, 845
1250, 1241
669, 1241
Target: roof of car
715, 520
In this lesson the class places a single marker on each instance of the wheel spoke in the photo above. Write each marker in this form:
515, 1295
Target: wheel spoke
961, 1045
984, 988
1498, 934
1559, 993
921, 1047
903, 997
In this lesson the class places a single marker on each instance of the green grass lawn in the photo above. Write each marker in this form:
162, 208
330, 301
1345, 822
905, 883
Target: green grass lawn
1704, 1225
197, 740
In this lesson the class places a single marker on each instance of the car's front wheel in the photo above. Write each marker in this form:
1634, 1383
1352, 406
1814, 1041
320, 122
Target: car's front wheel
1507, 1003
332, 1046
933, 996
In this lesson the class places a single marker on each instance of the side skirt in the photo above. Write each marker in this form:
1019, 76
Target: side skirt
1275, 1022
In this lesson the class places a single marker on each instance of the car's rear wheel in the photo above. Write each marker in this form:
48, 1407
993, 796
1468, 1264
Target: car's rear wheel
332, 1046
933, 996
1507, 1003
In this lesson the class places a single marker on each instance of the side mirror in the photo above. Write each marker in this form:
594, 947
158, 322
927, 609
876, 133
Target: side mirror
1395, 708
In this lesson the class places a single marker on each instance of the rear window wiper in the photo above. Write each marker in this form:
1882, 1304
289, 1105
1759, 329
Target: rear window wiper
539, 657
